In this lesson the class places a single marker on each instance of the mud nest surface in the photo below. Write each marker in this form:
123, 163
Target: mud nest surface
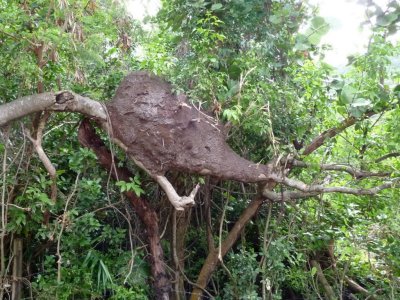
163, 132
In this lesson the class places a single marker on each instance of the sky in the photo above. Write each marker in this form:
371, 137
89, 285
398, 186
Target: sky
344, 17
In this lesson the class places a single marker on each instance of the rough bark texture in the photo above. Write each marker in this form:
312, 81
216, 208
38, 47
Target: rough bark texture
161, 283
164, 132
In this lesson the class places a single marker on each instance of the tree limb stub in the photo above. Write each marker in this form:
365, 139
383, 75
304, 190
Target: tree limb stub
177, 201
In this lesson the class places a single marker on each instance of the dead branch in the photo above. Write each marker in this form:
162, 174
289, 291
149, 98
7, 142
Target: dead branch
177, 201
306, 191
37, 145
357, 174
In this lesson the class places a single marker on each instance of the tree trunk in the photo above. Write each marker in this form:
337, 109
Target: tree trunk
330, 295
180, 224
17, 269
161, 283
212, 260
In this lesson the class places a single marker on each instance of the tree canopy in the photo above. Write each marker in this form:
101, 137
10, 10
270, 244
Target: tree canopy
294, 185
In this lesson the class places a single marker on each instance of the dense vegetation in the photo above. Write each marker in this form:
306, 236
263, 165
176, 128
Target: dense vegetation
257, 66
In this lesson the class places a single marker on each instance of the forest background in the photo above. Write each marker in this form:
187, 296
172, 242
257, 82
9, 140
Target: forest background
256, 66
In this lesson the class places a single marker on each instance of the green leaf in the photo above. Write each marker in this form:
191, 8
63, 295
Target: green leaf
318, 28
313, 271
386, 20
347, 95
361, 102
302, 43
359, 107
216, 6
337, 84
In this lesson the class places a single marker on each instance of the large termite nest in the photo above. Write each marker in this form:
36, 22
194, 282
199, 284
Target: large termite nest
164, 132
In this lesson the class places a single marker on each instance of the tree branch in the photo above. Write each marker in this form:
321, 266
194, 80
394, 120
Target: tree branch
60, 101
357, 174
330, 133
87, 137
386, 156
329, 293
177, 201
314, 190
37, 144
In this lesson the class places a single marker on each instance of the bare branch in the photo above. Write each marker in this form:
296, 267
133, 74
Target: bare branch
306, 191
60, 101
357, 174
386, 156
37, 144
177, 201
330, 133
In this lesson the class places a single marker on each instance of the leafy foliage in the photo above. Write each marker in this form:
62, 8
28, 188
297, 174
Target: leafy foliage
256, 65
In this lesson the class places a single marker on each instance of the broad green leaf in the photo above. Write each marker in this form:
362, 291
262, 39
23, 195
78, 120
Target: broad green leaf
216, 6
337, 84
302, 43
318, 28
386, 20
347, 94
361, 102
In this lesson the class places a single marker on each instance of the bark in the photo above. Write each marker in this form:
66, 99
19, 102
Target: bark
161, 283
356, 288
207, 213
306, 191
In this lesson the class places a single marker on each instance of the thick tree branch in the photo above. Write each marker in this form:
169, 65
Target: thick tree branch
357, 174
212, 260
60, 101
69, 101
